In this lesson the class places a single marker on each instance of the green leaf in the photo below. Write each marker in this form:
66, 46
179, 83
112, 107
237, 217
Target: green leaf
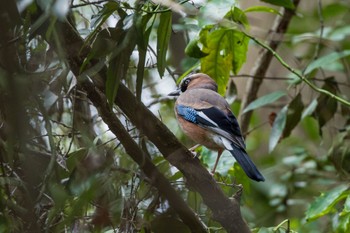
264, 100
262, 9
142, 39
325, 202
277, 128
193, 50
98, 20
113, 80
75, 158
104, 43
218, 63
178, 175
238, 42
294, 115
325, 60
285, 3
226, 48
108, 9
119, 63
344, 223
107, 38
163, 37
311, 129
310, 109
346, 209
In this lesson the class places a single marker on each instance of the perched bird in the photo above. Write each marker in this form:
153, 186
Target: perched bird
206, 118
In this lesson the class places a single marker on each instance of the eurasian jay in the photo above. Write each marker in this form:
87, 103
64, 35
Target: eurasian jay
206, 118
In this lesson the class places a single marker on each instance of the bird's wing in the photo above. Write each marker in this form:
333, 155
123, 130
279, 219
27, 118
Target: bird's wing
214, 120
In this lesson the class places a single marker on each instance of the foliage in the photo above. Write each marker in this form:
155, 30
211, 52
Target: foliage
63, 170
224, 47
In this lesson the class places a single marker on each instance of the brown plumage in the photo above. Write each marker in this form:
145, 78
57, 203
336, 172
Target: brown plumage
206, 118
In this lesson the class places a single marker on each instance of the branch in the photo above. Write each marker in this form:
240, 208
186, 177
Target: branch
262, 64
133, 150
225, 211
76, 52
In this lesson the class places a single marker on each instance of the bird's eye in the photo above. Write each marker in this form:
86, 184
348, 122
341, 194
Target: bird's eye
185, 84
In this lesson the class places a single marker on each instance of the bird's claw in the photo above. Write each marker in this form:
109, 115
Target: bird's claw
194, 154
193, 151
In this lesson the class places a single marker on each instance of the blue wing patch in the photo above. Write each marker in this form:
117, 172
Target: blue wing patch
188, 113
194, 115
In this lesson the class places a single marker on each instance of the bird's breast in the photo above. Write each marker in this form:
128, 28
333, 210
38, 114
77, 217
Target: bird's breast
200, 135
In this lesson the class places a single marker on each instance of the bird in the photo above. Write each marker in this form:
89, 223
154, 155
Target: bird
205, 117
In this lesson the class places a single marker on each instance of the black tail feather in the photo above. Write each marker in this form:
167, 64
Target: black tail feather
247, 164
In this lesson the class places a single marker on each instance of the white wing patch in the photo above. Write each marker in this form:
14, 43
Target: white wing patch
226, 143
201, 114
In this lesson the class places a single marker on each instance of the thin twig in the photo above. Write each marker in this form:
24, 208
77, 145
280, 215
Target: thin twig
300, 76
88, 3
276, 78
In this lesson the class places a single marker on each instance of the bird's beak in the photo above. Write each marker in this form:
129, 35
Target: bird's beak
175, 93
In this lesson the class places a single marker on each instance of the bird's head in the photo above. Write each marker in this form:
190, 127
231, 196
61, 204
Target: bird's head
195, 81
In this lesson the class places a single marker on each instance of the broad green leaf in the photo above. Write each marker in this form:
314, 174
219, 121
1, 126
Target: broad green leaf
264, 100
294, 115
238, 16
325, 202
262, 9
310, 109
218, 63
325, 60
193, 50
226, 48
238, 42
277, 128
163, 37
285, 3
